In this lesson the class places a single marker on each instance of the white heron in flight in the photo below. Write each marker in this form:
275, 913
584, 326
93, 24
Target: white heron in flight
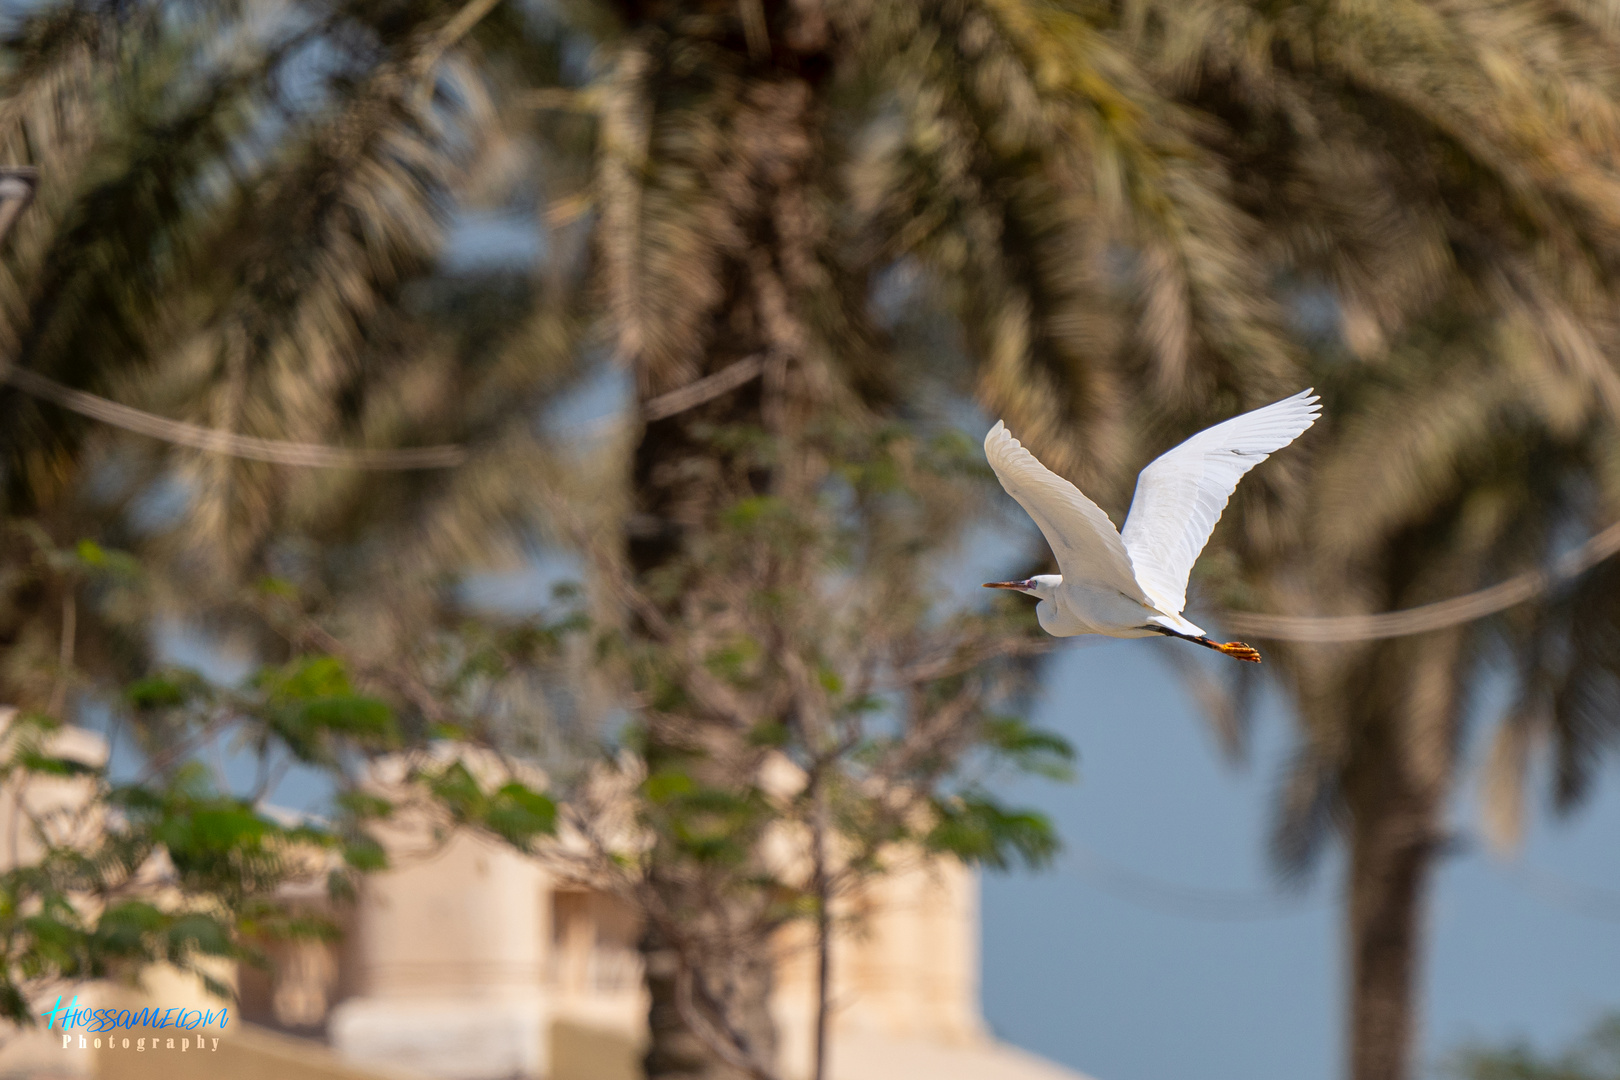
1134, 584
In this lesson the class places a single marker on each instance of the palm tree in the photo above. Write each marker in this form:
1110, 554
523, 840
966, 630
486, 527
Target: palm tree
235, 234
1454, 467
1415, 165
759, 168
236, 202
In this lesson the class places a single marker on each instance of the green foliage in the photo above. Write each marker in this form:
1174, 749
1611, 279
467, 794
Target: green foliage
976, 828
1029, 749
1595, 1057
123, 876
311, 706
217, 844
99, 560
513, 811
169, 690
714, 825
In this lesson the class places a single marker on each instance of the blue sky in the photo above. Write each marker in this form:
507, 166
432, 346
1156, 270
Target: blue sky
1159, 950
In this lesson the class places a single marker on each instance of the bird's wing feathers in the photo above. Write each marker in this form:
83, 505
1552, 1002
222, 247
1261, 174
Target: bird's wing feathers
1179, 497
1087, 546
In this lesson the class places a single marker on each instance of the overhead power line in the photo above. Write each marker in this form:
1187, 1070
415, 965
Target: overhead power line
17, 186
1427, 617
1323, 629
1190, 902
320, 455
1578, 897
180, 433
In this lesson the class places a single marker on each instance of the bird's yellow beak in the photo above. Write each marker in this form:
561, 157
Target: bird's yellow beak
1016, 586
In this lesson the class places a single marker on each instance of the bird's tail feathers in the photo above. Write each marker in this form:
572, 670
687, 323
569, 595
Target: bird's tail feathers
1177, 623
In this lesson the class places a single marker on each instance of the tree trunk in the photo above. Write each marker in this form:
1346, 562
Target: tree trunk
674, 1051
739, 184
1391, 852
679, 488
1396, 791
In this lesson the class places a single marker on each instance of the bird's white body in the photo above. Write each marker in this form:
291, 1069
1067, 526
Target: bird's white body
1134, 583
1068, 609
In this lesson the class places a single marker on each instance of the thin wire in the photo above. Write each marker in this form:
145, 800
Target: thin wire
17, 186
1324, 629
1188, 902
1437, 616
1305, 628
180, 433
1574, 896
1220, 905
320, 456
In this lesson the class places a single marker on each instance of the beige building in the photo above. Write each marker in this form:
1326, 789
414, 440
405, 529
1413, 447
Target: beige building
464, 966
470, 961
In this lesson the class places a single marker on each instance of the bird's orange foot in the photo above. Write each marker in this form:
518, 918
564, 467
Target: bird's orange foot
1238, 651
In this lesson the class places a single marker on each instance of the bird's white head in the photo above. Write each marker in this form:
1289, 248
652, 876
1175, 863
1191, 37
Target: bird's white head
1043, 586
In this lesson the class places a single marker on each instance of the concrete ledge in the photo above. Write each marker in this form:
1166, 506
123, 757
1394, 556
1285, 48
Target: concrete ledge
245, 1052
451, 1038
586, 1052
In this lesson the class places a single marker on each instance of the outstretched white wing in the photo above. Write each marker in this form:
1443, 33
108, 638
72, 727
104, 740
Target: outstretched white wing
1087, 545
1179, 497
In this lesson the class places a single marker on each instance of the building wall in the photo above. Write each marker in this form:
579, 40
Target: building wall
464, 957
449, 954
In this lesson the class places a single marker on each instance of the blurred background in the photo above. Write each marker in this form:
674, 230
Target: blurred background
492, 515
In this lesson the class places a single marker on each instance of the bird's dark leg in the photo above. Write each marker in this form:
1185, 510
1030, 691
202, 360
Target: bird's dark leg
1235, 649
